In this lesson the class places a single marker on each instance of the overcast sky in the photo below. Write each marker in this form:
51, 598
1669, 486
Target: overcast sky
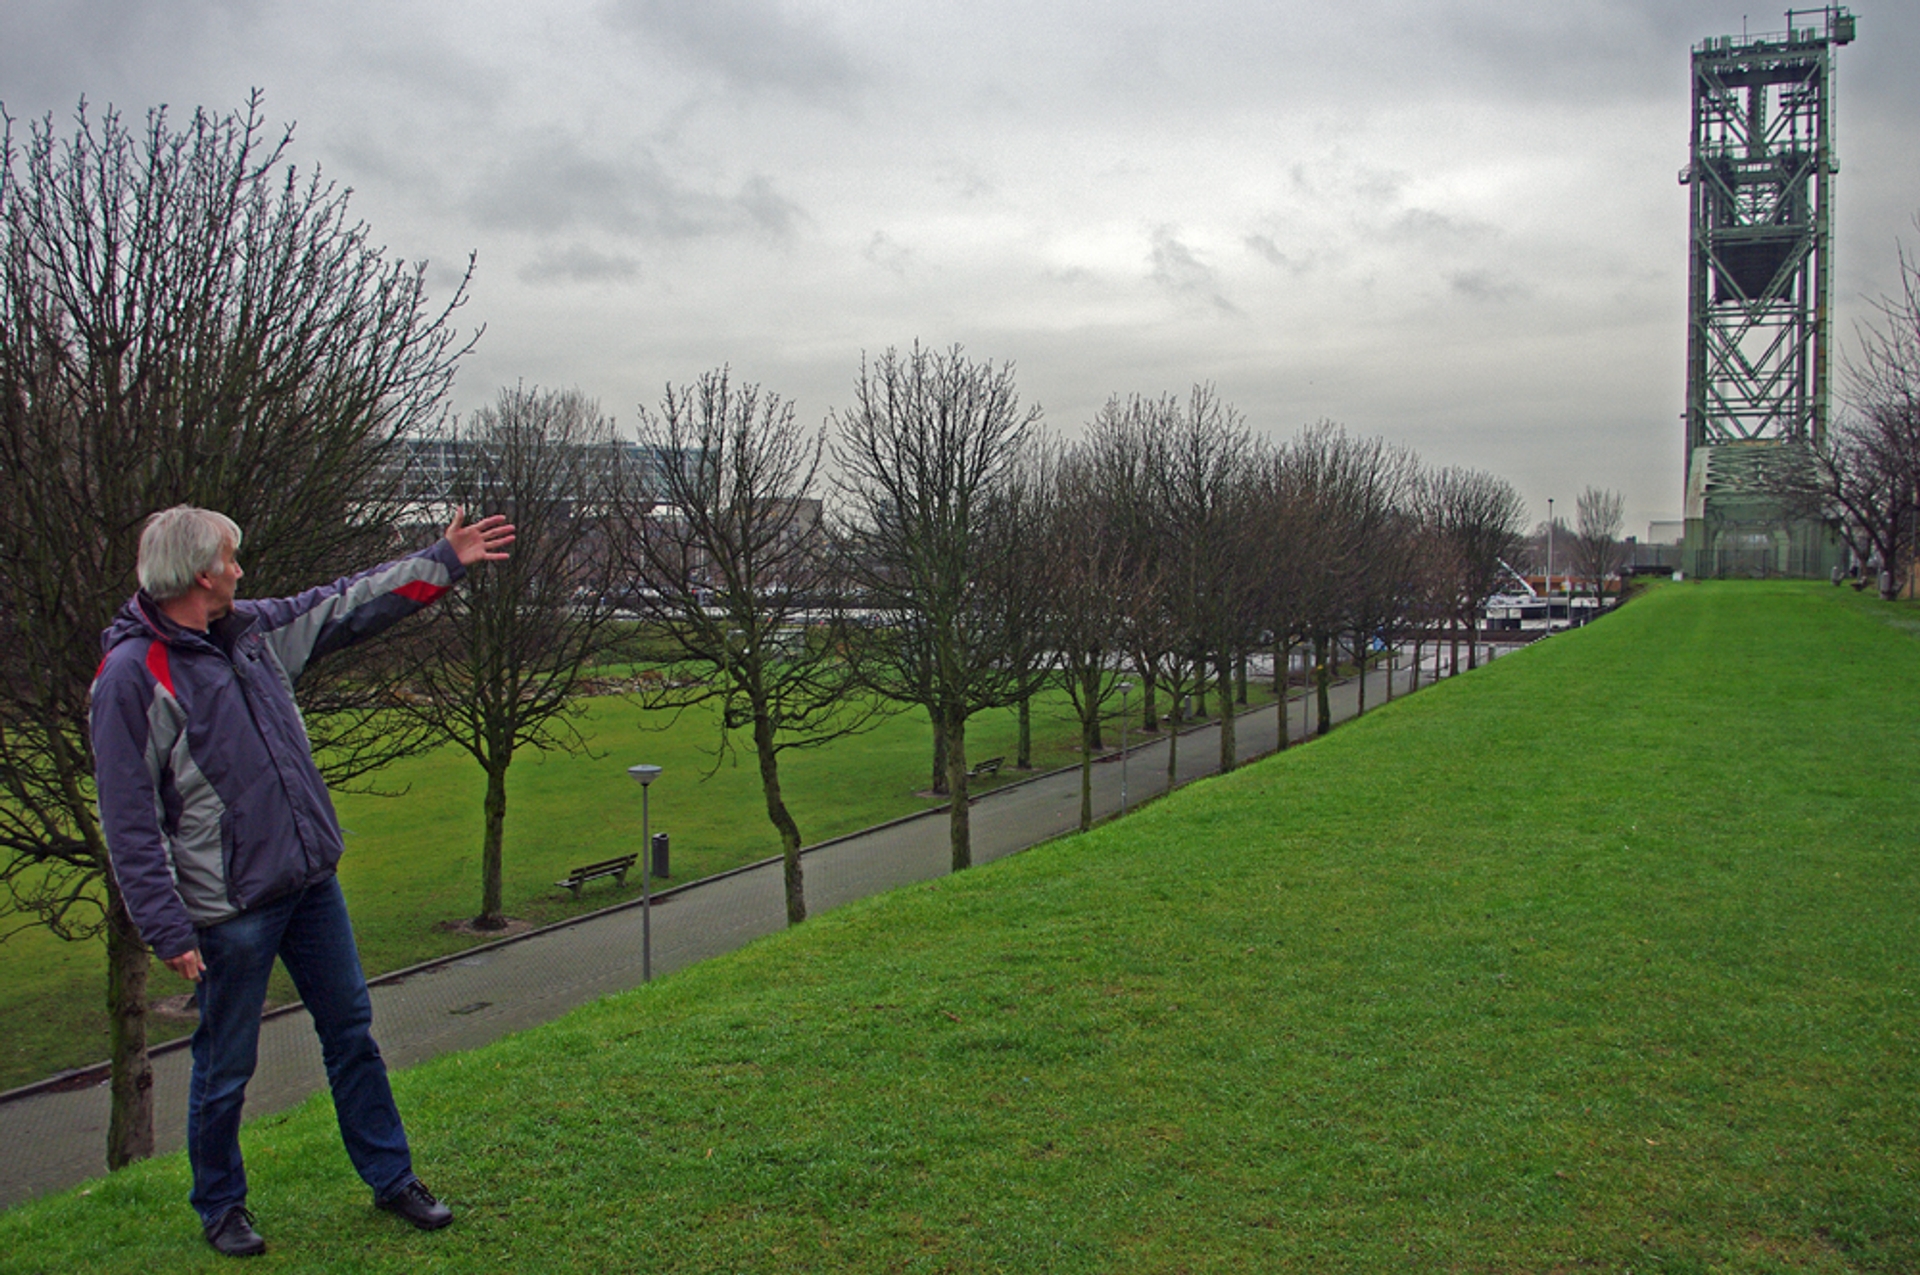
1455, 225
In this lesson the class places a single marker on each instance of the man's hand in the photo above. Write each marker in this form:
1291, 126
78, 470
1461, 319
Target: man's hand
483, 541
187, 965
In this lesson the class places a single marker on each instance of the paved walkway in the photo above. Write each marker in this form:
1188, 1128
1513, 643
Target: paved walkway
57, 1139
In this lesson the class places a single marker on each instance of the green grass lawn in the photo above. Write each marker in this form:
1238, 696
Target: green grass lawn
412, 865
1602, 958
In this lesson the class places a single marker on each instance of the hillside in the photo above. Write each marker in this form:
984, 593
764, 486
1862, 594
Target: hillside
1602, 957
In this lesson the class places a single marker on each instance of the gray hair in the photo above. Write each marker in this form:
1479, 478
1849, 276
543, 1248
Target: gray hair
180, 543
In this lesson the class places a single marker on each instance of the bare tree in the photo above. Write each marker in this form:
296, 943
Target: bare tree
1021, 512
1127, 454
1885, 373
926, 454
182, 319
1865, 478
1322, 485
1384, 539
1479, 516
1208, 458
1432, 600
1862, 483
1279, 519
733, 568
1549, 545
1094, 588
1598, 553
1355, 496
499, 668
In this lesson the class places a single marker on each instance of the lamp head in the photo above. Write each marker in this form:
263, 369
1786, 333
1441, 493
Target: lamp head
644, 775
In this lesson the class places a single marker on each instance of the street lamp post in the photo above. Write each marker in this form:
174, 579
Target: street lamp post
644, 776
1124, 688
1549, 564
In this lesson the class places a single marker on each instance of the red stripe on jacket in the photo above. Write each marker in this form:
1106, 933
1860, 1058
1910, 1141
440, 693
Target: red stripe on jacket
422, 592
159, 665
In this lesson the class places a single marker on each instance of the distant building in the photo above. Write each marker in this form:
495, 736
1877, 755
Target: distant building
1663, 552
1511, 613
430, 467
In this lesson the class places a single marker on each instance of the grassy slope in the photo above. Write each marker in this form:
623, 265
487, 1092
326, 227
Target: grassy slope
413, 863
1602, 958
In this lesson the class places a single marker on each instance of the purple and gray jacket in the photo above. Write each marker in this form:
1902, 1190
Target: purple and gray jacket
209, 797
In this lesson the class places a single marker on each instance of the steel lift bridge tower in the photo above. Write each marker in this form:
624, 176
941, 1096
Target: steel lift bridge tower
1760, 173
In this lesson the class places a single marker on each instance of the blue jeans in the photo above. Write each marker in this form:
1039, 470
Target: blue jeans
311, 935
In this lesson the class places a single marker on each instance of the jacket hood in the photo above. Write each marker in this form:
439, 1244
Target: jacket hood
137, 617
141, 617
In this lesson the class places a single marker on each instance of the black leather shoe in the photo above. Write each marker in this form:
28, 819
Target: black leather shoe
234, 1236
416, 1204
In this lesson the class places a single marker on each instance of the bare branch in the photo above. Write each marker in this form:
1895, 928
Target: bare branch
183, 318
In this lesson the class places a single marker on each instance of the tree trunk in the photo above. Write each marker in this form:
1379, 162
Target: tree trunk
1473, 639
1240, 689
130, 1124
959, 827
1413, 677
1360, 653
1089, 724
940, 787
1453, 649
1323, 685
1228, 743
1282, 657
1149, 703
490, 917
777, 812
1023, 753
1200, 689
1090, 695
1173, 737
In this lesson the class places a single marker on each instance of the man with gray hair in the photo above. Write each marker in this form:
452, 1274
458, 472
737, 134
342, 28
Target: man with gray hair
223, 839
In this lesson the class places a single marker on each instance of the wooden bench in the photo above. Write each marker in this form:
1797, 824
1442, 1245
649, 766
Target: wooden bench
981, 770
615, 868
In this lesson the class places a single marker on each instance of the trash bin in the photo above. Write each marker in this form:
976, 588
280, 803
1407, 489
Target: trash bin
660, 855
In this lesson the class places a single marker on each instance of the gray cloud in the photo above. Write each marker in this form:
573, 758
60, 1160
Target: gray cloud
553, 181
1267, 248
882, 250
109, 41
1338, 177
577, 263
1483, 284
1426, 226
1269, 251
754, 46
967, 182
1179, 270
439, 78
768, 209
1455, 223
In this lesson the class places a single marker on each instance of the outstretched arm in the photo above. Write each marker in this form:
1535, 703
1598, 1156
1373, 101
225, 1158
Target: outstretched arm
483, 541
304, 628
